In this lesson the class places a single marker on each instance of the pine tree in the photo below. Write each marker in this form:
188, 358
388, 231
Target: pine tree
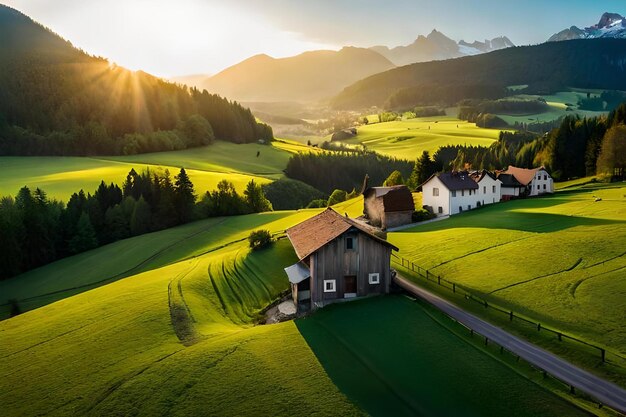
141, 219
85, 236
184, 196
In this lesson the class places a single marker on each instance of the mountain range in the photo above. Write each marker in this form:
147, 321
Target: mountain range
592, 63
611, 25
310, 76
319, 75
437, 46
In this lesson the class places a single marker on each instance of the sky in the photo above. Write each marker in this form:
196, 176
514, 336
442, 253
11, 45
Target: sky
182, 37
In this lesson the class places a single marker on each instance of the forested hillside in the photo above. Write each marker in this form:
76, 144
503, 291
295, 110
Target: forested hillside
58, 100
597, 63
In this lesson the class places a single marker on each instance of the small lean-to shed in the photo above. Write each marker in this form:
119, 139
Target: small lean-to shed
387, 207
339, 258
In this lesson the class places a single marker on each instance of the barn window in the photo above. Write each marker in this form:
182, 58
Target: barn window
350, 243
469, 207
453, 193
460, 209
440, 210
330, 285
435, 192
462, 193
374, 278
493, 188
485, 189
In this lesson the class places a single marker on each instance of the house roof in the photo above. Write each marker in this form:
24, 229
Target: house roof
298, 273
396, 198
524, 176
479, 175
508, 180
455, 181
310, 235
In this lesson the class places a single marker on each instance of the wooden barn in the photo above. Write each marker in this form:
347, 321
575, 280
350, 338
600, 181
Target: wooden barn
340, 258
388, 207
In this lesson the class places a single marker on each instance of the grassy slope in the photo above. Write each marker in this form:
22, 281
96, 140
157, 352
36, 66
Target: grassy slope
407, 139
137, 364
129, 257
178, 339
556, 259
558, 102
61, 176
392, 358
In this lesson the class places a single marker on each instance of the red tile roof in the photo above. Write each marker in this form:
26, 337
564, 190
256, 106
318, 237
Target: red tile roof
524, 176
310, 235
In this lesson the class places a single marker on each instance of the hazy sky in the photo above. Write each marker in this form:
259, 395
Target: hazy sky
180, 37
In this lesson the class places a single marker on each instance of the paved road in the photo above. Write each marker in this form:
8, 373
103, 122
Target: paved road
605, 392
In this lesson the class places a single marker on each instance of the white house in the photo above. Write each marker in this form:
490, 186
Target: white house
489, 187
450, 193
536, 181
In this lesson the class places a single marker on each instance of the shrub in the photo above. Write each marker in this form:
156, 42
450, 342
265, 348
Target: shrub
288, 194
259, 239
422, 215
319, 203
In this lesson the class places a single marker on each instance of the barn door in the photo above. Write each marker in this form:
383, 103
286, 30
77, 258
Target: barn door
350, 286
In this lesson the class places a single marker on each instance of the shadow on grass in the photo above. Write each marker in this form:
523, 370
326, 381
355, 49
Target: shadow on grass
509, 215
390, 357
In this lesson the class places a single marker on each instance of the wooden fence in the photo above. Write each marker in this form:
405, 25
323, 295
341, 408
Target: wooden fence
458, 289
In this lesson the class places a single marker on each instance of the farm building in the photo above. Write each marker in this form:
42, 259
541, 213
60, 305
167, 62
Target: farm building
339, 258
387, 207
536, 181
450, 193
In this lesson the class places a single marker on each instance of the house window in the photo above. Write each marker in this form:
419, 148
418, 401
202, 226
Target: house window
453, 193
545, 177
440, 210
460, 209
469, 207
544, 186
485, 189
374, 278
330, 285
349, 243
462, 193
493, 188
435, 192
538, 186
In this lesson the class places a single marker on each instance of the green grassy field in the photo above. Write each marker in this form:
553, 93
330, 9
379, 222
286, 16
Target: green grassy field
559, 259
407, 139
177, 335
392, 358
62, 176
558, 103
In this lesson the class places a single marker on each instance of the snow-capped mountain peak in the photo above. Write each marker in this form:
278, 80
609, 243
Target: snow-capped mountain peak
610, 25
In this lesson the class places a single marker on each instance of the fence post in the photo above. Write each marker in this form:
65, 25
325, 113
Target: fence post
538, 327
486, 305
486, 341
560, 336
453, 287
511, 316
427, 275
603, 352
439, 280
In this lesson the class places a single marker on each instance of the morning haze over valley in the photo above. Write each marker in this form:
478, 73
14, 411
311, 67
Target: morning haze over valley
321, 208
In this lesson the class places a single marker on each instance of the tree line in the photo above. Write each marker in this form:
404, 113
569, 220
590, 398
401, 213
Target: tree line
38, 230
327, 171
578, 147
